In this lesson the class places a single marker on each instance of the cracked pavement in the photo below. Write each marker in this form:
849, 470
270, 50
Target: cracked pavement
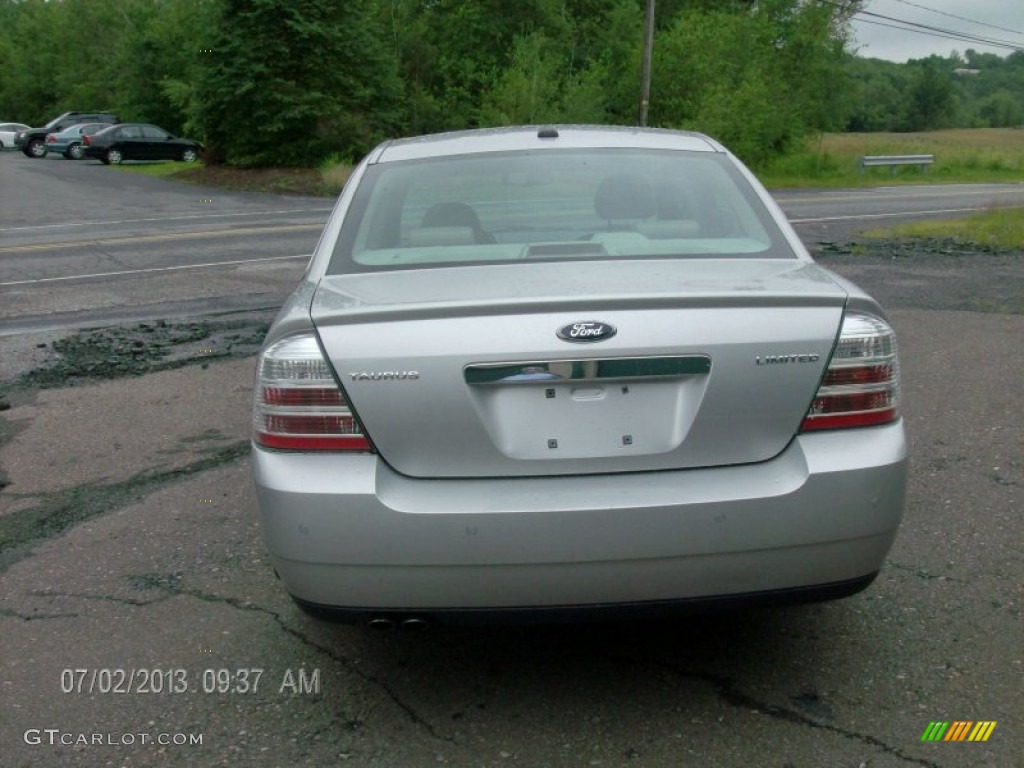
129, 541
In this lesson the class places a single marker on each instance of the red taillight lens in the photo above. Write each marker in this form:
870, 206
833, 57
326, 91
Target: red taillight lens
86, 139
51, 139
297, 405
861, 385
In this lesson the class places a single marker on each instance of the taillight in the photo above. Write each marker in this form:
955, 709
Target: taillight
297, 405
86, 139
51, 138
861, 384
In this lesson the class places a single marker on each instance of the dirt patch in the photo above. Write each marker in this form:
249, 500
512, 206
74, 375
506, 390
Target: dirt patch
931, 273
280, 181
117, 352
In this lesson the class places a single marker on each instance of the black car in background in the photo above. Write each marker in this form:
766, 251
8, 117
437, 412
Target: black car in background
32, 142
139, 141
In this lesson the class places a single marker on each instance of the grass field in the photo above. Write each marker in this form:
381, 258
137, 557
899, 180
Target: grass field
964, 156
1001, 227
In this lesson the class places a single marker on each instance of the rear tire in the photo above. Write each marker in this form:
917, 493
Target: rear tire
113, 156
35, 148
189, 155
75, 152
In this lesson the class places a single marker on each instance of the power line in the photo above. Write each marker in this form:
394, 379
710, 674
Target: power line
961, 18
928, 29
913, 26
952, 36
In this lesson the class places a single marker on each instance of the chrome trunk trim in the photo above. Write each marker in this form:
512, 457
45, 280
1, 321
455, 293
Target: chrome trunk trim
574, 371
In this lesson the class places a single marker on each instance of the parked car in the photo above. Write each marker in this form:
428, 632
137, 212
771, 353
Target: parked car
32, 141
571, 370
8, 132
139, 141
69, 141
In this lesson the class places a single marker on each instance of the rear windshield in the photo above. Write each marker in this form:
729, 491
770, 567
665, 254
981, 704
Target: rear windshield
553, 205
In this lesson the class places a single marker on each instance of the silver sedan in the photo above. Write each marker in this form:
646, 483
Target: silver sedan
566, 372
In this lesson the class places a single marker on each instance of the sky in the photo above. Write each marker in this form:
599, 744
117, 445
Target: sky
967, 17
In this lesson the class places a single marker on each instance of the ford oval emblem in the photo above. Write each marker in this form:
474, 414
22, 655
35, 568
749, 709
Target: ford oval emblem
586, 331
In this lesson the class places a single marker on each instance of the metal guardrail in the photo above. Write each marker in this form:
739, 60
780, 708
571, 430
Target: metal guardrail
894, 161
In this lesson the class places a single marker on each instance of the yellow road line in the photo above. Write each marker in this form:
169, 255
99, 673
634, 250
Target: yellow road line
147, 270
157, 238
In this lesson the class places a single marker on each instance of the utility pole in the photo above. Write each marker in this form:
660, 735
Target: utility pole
645, 86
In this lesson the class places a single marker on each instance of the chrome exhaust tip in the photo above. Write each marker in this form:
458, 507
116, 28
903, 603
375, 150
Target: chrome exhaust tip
415, 624
380, 625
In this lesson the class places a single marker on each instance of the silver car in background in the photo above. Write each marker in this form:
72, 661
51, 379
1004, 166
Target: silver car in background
69, 141
568, 372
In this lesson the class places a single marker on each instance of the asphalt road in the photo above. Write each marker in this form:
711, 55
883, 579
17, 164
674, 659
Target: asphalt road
82, 243
129, 542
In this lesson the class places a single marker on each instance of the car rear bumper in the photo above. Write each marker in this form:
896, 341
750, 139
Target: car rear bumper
347, 532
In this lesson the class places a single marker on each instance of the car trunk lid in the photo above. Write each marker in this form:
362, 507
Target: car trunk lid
461, 372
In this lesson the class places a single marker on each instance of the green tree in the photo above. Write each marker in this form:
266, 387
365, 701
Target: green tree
529, 89
875, 94
1002, 110
29, 91
617, 64
931, 102
159, 68
288, 83
100, 54
759, 76
454, 54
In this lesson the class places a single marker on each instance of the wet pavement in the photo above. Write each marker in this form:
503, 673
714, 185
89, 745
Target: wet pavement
142, 624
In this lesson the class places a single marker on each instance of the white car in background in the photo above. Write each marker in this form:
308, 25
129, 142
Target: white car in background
7, 133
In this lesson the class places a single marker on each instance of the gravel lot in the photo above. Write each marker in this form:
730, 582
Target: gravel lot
926, 273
